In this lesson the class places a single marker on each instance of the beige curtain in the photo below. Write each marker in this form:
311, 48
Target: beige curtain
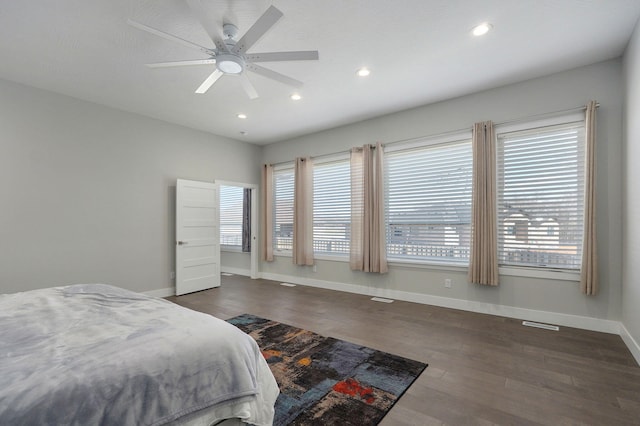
483, 260
589, 271
303, 212
266, 218
368, 242
356, 260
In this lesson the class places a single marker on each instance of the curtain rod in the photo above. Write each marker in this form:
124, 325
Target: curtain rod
453, 132
545, 114
313, 158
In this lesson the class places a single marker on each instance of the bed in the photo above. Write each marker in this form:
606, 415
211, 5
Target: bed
93, 354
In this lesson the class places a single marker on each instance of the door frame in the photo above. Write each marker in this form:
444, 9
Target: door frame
254, 221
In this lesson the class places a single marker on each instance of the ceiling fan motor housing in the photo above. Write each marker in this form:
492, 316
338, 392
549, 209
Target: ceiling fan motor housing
229, 30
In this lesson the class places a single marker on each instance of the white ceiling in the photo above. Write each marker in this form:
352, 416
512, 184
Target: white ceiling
419, 52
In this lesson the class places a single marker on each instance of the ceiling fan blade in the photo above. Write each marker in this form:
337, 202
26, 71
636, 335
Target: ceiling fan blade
182, 63
206, 21
248, 87
171, 37
209, 81
257, 30
274, 75
305, 55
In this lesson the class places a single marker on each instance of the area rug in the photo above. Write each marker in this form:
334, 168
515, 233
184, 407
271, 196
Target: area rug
326, 381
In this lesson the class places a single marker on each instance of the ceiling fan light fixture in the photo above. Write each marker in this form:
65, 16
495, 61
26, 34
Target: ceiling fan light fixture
230, 64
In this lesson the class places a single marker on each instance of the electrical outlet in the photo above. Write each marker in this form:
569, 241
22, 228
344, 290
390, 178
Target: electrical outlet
315, 268
447, 283
172, 275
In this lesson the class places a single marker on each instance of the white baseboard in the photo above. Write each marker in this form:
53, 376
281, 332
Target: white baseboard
633, 346
161, 292
566, 320
171, 291
236, 271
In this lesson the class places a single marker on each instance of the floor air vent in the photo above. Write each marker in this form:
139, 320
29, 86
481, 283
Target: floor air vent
540, 325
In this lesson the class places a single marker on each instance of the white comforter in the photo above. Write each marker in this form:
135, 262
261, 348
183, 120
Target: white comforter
96, 354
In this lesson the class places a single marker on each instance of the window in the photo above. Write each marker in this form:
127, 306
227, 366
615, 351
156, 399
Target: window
231, 200
283, 209
332, 207
428, 197
540, 196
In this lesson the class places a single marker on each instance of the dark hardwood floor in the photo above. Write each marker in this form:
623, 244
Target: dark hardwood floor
482, 370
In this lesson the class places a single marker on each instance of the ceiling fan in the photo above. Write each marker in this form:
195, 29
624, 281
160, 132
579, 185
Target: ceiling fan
229, 56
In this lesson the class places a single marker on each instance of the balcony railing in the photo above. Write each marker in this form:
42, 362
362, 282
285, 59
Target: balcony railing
427, 252
319, 246
524, 257
521, 257
231, 240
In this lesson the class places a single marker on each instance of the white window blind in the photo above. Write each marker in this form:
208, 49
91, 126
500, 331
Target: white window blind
541, 196
283, 209
428, 215
332, 207
231, 200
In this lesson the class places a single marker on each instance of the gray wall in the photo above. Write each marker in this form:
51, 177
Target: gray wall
631, 212
236, 262
88, 192
566, 90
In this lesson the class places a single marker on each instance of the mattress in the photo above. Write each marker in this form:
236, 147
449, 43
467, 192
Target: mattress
98, 354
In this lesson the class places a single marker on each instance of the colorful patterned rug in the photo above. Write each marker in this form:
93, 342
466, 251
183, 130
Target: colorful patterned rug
326, 381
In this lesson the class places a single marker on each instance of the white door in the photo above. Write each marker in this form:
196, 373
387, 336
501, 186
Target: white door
197, 236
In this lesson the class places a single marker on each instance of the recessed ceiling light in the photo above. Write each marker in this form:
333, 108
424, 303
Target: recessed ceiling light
481, 29
363, 72
242, 116
296, 96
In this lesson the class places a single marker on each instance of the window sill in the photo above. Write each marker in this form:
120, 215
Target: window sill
550, 274
510, 271
335, 258
442, 266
